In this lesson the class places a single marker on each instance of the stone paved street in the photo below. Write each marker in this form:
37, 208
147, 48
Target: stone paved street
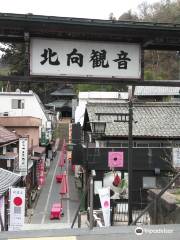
50, 194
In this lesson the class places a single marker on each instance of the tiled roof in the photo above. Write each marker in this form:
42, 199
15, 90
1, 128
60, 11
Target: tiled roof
8, 155
7, 179
150, 119
103, 95
39, 149
65, 90
7, 136
156, 91
60, 104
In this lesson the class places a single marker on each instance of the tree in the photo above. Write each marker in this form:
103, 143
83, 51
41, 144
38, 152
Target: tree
112, 17
14, 57
161, 64
129, 16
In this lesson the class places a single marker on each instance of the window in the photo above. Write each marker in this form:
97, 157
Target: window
17, 103
142, 145
155, 144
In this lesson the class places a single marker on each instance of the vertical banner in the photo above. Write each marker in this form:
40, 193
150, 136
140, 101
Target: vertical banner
23, 155
40, 172
104, 195
2, 210
17, 208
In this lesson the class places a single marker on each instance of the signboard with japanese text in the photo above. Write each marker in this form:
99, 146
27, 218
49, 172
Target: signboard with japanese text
84, 58
23, 155
17, 208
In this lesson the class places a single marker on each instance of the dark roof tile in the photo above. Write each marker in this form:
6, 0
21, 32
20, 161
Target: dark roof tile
7, 136
150, 119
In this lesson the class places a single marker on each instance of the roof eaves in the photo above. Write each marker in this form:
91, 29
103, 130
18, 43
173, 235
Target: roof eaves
90, 22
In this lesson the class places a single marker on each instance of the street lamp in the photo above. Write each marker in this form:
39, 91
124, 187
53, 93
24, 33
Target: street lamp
91, 189
130, 147
98, 127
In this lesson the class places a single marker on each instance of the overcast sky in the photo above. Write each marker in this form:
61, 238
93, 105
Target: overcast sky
99, 9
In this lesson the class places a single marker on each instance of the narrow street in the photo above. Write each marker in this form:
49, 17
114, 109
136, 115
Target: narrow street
49, 195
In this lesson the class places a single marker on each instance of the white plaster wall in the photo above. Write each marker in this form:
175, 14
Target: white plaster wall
31, 107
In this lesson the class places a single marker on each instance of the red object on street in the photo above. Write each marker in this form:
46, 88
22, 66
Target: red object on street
64, 185
63, 154
56, 211
41, 180
61, 159
59, 178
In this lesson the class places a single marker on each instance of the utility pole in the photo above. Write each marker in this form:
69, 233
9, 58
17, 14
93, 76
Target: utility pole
130, 149
91, 203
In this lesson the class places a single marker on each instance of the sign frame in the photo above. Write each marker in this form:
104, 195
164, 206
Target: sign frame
39, 50
17, 210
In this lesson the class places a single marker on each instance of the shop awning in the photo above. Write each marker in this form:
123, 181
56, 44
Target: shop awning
9, 156
7, 179
35, 158
39, 150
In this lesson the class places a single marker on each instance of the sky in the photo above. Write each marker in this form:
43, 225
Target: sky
97, 9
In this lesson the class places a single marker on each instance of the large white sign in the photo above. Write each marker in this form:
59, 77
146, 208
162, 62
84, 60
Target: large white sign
84, 58
104, 195
17, 208
23, 155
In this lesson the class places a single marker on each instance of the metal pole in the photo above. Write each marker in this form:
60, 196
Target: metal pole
91, 203
79, 220
155, 211
67, 169
130, 146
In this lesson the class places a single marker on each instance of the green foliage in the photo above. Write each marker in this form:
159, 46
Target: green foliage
99, 87
129, 16
92, 87
13, 56
158, 65
4, 71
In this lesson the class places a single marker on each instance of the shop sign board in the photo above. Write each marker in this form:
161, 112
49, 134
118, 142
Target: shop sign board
60, 57
17, 208
23, 155
115, 159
